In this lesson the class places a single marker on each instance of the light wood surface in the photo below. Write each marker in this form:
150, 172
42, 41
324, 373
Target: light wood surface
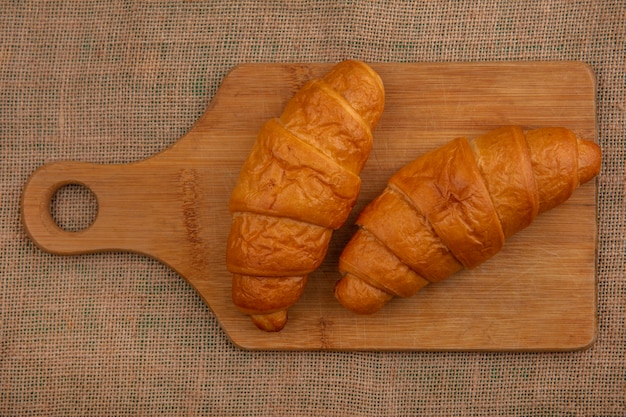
539, 293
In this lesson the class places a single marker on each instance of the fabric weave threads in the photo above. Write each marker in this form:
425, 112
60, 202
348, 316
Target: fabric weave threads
120, 334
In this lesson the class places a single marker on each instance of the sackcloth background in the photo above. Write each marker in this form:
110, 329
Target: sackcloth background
121, 334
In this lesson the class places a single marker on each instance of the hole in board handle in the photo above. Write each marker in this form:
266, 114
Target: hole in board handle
74, 207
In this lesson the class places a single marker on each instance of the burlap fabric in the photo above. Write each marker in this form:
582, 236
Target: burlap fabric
121, 334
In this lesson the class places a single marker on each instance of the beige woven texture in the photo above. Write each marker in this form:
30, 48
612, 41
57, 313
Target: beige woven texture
120, 334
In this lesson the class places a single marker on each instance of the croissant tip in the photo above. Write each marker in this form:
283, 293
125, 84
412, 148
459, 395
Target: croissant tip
358, 296
589, 160
273, 322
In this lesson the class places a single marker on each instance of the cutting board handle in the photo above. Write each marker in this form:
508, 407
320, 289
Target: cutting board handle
111, 184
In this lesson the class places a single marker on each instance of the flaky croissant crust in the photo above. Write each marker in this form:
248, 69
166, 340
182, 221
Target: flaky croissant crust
454, 207
298, 184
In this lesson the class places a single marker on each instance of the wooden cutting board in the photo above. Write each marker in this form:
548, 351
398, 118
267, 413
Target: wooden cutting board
539, 293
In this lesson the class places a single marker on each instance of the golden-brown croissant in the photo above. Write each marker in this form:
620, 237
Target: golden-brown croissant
299, 183
454, 206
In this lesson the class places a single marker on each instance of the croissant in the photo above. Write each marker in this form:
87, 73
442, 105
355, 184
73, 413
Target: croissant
453, 208
298, 184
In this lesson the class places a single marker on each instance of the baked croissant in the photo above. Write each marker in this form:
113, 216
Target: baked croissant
453, 208
299, 183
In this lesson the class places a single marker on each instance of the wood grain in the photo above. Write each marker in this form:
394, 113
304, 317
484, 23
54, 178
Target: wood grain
539, 293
